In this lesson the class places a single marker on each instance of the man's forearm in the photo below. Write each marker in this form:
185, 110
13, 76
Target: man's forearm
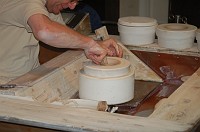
58, 35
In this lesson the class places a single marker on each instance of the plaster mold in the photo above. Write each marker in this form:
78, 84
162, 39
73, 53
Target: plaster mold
176, 36
198, 38
113, 82
136, 31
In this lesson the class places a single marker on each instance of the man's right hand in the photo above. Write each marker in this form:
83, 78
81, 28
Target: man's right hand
95, 52
98, 50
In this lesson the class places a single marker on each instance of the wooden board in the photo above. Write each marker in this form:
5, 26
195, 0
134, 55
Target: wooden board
66, 118
84, 26
193, 51
142, 71
183, 105
51, 81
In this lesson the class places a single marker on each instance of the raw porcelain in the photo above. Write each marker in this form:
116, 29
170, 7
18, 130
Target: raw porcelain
198, 38
176, 36
115, 67
136, 30
115, 87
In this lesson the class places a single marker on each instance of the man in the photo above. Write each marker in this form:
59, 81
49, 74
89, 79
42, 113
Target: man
25, 22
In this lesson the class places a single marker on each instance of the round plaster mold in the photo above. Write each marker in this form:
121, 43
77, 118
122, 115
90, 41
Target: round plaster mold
136, 31
198, 38
176, 36
113, 82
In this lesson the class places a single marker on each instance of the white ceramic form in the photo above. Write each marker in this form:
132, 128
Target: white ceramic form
176, 36
115, 67
198, 38
113, 83
136, 31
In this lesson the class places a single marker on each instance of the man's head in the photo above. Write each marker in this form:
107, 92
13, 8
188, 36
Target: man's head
55, 6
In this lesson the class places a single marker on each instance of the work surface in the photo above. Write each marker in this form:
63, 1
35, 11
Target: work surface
173, 69
56, 81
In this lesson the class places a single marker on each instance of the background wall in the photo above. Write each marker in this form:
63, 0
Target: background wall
129, 8
157, 9
111, 10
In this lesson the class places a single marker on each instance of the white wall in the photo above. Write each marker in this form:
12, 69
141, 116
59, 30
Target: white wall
129, 8
157, 9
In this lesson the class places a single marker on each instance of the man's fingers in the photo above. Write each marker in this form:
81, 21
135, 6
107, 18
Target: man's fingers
97, 59
115, 49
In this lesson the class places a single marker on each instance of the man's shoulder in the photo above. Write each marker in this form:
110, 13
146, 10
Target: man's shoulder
20, 2
16, 3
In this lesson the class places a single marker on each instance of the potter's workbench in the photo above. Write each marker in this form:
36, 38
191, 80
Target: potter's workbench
42, 102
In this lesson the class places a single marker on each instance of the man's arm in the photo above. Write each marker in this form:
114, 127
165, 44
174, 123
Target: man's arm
57, 35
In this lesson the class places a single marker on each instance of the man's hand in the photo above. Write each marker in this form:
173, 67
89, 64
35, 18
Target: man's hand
112, 48
99, 49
